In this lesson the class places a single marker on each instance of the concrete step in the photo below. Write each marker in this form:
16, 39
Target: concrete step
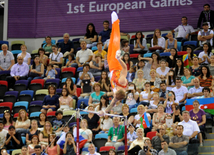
206, 149
210, 136
208, 142
206, 153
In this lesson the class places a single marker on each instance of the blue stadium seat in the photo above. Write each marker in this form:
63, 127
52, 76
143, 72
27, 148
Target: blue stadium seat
21, 103
79, 69
24, 140
102, 135
133, 110
165, 54
35, 114
147, 55
179, 46
27, 92
195, 43
16, 51
82, 100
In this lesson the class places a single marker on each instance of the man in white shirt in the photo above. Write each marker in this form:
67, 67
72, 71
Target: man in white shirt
3, 134
184, 30
205, 36
191, 128
196, 90
6, 58
91, 149
84, 55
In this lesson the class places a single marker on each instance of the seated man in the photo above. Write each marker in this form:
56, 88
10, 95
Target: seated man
105, 33
166, 150
86, 68
116, 134
38, 150
196, 90
3, 134
160, 136
84, 55
91, 150
13, 139
179, 142
6, 58
67, 46
149, 151
163, 92
19, 71
205, 36
183, 30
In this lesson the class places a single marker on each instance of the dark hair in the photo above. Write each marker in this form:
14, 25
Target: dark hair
162, 83
106, 79
4, 119
191, 54
41, 49
113, 151
206, 5
50, 142
72, 56
180, 126
182, 68
70, 134
173, 78
158, 56
86, 65
37, 147
206, 88
58, 112
176, 52
66, 91
139, 62
106, 103
72, 83
141, 39
184, 17
129, 62
43, 114
54, 46
34, 65
105, 21
208, 71
124, 42
93, 31
36, 137
47, 37
12, 127
209, 48
173, 94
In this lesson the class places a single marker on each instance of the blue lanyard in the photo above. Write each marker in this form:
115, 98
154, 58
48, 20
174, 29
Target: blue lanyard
117, 130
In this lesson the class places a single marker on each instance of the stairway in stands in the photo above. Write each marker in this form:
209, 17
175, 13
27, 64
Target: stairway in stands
208, 148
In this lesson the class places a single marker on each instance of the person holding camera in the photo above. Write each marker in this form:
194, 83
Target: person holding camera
131, 95
147, 149
69, 146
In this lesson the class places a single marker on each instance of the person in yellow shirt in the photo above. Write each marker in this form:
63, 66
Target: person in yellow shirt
100, 50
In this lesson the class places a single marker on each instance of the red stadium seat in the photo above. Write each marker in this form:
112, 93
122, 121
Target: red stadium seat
182, 52
52, 113
17, 114
69, 69
7, 104
3, 83
78, 90
150, 135
134, 55
40, 81
106, 148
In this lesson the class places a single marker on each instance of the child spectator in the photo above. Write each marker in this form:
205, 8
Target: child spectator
125, 46
71, 62
131, 135
65, 101
50, 73
58, 122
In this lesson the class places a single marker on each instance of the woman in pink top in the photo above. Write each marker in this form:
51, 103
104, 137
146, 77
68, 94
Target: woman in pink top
53, 148
65, 101
7, 120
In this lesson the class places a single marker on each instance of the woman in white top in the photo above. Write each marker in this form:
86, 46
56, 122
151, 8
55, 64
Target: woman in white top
170, 99
131, 95
85, 132
158, 41
22, 123
104, 102
146, 95
153, 105
204, 57
25, 55
105, 124
56, 58
162, 70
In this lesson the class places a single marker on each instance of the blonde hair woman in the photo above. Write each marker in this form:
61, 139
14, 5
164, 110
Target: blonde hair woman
22, 122
26, 56
170, 42
33, 131
43, 136
139, 81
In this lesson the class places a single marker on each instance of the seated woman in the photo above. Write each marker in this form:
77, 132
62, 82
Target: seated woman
92, 120
204, 57
51, 101
42, 57
71, 62
137, 122
33, 131
179, 68
65, 101
138, 143
104, 102
158, 41
205, 78
159, 118
195, 68
140, 42
153, 105
187, 79
131, 95
171, 60
154, 81
170, 42
190, 55
53, 148
139, 81
47, 46
176, 114
56, 58
42, 120
105, 82
126, 59
33, 142
170, 80
96, 95
43, 136
162, 70
69, 146
36, 70
22, 123
170, 100
211, 65
71, 87
91, 35
199, 116
7, 120
85, 132
96, 65
105, 124
125, 112
26, 56
146, 95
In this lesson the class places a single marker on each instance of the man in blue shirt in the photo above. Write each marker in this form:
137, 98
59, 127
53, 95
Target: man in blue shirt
66, 47
38, 150
105, 34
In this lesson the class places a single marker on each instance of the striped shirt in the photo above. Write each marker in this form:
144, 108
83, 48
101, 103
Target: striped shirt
205, 83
